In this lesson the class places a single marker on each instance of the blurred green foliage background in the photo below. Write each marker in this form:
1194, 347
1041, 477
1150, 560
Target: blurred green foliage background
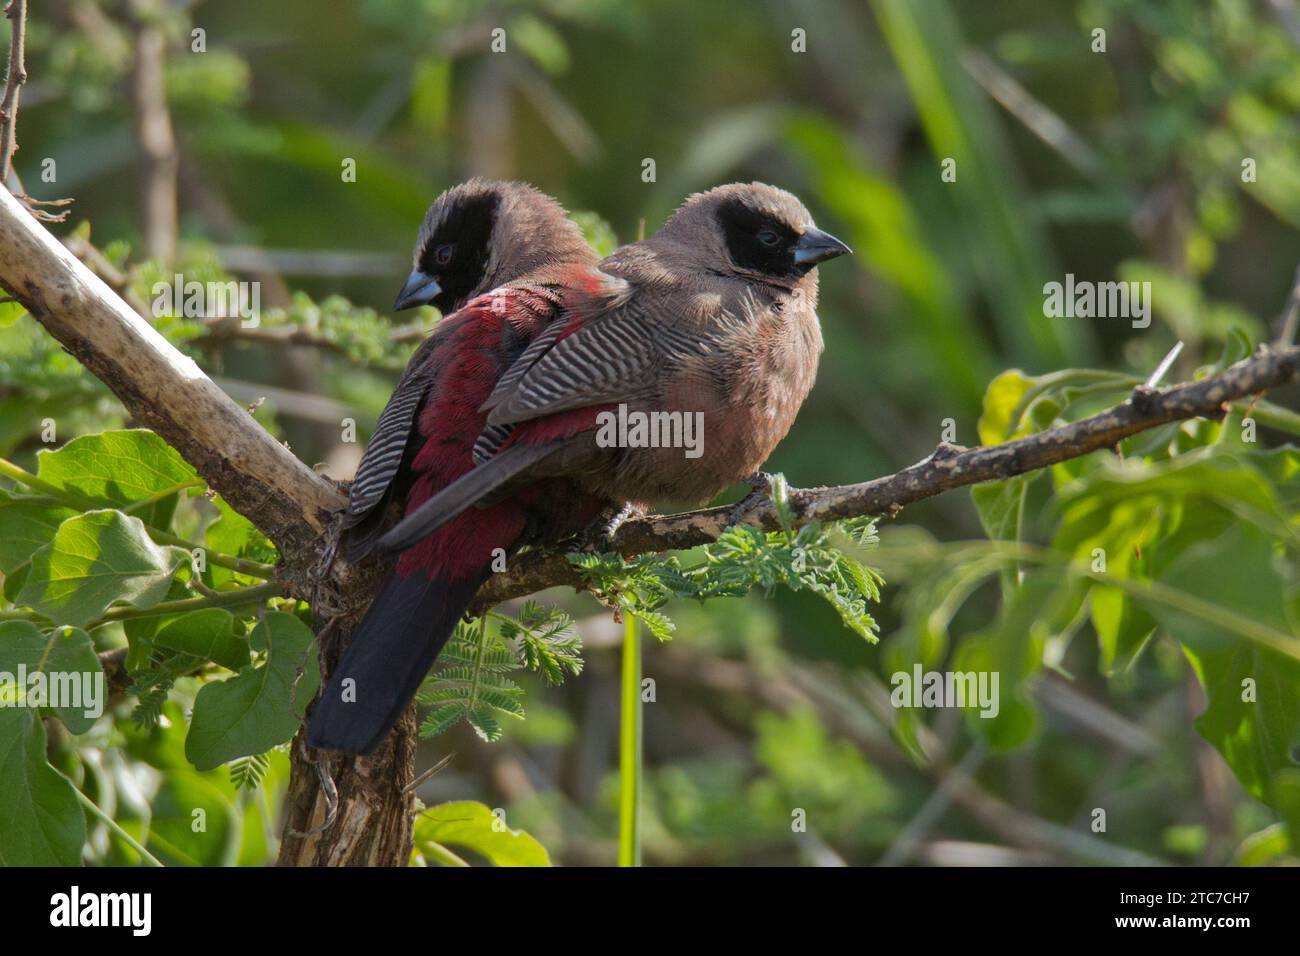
1125, 163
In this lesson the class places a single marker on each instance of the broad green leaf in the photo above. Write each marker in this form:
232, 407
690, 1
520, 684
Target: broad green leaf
1131, 520
70, 671
260, 707
118, 468
1000, 401
1016, 404
1282, 467
1000, 505
1122, 626
43, 824
24, 527
208, 633
95, 560
1253, 714
232, 533
473, 826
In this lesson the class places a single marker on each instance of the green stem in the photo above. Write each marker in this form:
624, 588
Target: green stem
1270, 415
478, 660
25, 477
160, 495
252, 595
440, 854
254, 569
109, 822
629, 748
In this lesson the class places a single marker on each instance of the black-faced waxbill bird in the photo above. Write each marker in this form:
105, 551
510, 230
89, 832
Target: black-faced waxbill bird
477, 238
718, 318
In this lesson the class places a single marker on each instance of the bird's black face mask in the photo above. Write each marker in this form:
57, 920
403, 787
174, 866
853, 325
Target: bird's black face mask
761, 243
453, 261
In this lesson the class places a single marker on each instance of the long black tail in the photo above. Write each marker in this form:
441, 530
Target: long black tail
390, 654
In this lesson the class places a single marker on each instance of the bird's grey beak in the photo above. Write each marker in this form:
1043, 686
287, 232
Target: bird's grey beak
420, 289
815, 246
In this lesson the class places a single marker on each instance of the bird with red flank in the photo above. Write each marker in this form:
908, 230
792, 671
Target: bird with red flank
718, 320
502, 261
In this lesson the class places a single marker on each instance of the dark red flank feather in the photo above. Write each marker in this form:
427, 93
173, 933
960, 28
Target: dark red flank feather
518, 243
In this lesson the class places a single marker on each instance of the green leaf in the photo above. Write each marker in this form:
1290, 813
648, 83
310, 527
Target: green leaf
658, 624
261, 707
1253, 714
473, 826
1001, 505
120, 468
173, 837
549, 642
208, 633
541, 42
1138, 517
24, 527
66, 658
469, 681
232, 533
1265, 848
1000, 401
484, 723
43, 822
599, 234
246, 773
95, 560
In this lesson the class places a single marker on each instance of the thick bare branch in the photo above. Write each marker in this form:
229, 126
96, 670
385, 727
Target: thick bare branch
162, 388
949, 467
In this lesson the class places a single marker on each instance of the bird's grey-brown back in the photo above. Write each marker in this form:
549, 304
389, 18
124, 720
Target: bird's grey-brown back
722, 322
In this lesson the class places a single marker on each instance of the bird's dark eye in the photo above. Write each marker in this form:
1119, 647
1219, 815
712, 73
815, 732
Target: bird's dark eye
768, 237
442, 255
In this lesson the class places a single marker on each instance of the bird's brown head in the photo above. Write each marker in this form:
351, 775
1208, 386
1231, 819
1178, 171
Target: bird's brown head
752, 230
483, 234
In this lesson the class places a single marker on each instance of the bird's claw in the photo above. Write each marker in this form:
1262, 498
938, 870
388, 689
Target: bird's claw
598, 537
760, 491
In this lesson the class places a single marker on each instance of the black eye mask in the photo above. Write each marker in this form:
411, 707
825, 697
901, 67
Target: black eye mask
468, 227
741, 226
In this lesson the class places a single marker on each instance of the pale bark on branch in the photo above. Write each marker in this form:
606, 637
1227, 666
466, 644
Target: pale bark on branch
163, 389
